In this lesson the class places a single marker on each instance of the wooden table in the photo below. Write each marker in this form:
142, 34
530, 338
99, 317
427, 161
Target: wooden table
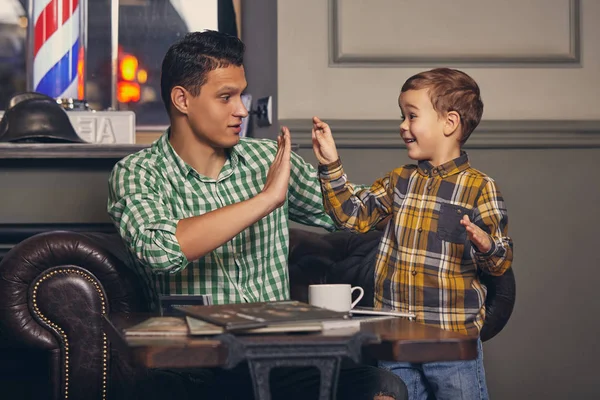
390, 339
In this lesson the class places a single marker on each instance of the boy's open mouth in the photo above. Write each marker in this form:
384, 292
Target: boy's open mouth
409, 141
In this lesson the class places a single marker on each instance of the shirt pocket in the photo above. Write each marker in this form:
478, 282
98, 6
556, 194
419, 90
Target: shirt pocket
449, 227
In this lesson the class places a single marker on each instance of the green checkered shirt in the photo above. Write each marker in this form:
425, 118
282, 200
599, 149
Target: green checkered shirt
151, 190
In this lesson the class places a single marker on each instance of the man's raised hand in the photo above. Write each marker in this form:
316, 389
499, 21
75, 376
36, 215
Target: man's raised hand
278, 177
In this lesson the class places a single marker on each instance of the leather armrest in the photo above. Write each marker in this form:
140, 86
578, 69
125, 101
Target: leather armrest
59, 276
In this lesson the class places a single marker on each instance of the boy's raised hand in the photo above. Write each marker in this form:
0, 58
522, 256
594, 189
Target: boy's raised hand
477, 236
323, 143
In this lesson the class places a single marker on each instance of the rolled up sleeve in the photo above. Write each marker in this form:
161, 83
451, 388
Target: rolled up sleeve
491, 216
143, 219
351, 207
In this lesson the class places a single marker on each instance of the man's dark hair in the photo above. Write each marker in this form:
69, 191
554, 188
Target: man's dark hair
188, 61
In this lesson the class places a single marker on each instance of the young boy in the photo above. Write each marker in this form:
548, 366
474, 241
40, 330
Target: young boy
448, 224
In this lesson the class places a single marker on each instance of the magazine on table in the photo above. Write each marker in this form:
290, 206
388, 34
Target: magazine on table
278, 317
198, 327
245, 316
159, 326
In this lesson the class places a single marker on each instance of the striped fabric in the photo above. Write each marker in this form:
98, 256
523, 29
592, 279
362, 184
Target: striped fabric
425, 263
150, 191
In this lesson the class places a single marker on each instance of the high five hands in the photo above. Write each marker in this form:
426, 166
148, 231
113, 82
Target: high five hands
477, 236
323, 143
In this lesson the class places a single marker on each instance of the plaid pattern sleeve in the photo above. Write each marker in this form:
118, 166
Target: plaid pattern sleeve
142, 216
304, 196
354, 208
491, 216
425, 263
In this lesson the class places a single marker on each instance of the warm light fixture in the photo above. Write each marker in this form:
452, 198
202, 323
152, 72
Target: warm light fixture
128, 92
128, 67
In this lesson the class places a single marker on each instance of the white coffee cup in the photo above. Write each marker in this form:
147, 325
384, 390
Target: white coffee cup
336, 297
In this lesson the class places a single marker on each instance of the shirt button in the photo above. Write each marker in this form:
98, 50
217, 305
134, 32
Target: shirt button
458, 211
413, 272
420, 230
429, 187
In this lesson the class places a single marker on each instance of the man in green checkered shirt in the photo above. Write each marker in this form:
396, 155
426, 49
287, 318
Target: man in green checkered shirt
206, 212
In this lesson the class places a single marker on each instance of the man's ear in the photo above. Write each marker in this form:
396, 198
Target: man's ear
451, 123
179, 98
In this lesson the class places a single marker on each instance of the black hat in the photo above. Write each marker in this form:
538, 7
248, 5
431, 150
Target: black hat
36, 118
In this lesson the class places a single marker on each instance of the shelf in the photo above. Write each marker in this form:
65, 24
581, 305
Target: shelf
66, 150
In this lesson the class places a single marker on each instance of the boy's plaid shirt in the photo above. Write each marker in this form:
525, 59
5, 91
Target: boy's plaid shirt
425, 263
151, 190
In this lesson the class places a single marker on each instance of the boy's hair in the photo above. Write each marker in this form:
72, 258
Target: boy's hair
188, 61
451, 90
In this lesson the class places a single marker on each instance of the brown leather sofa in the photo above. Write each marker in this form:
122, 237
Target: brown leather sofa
54, 288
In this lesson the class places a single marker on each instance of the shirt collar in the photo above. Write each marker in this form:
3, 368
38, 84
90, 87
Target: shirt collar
446, 169
239, 150
170, 156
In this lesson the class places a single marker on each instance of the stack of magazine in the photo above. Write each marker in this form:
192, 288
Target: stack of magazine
246, 318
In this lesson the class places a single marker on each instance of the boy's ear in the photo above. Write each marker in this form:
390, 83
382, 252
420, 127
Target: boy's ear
452, 123
179, 98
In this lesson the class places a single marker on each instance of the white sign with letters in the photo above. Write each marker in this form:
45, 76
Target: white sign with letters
103, 127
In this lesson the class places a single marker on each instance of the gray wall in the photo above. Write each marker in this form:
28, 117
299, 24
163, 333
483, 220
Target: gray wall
54, 191
347, 59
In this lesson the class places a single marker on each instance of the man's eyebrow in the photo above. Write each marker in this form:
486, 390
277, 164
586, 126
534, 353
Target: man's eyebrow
230, 89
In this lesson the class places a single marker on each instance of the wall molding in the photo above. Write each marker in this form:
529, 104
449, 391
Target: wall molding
337, 58
521, 134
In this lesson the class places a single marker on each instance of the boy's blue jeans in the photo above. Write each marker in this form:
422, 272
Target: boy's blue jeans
452, 380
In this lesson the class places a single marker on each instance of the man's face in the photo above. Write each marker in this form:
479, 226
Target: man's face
422, 129
215, 115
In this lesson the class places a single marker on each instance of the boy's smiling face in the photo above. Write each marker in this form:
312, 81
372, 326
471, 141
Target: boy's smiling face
425, 131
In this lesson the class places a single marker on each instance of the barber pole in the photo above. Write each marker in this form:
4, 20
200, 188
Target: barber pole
58, 48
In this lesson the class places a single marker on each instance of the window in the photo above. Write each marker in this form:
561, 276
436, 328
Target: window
146, 29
